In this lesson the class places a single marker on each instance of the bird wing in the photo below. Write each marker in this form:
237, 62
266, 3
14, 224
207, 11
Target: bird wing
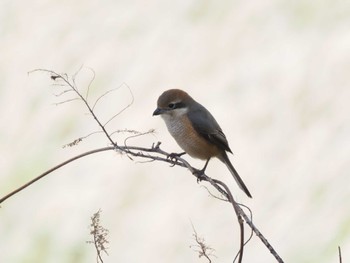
206, 126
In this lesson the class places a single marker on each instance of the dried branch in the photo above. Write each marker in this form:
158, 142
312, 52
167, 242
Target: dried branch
104, 94
62, 92
160, 155
72, 84
236, 207
131, 131
66, 101
154, 153
90, 83
99, 234
203, 249
80, 139
122, 110
4, 198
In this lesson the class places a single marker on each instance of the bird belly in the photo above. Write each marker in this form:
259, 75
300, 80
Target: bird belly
189, 140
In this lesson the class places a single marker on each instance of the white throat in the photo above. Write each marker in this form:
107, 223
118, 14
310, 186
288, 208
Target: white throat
173, 115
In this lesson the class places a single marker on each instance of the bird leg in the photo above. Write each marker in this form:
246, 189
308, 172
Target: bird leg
200, 173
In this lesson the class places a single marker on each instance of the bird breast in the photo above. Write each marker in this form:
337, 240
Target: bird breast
189, 139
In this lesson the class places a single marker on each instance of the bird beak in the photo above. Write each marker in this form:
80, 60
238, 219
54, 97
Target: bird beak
157, 112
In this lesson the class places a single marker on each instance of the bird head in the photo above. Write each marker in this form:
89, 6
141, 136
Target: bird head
173, 103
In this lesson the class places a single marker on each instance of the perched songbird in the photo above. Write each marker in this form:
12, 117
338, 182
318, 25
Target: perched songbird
195, 129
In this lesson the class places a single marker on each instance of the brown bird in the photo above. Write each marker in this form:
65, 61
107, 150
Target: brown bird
195, 129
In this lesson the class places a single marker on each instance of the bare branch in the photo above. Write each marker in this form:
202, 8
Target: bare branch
155, 153
104, 94
203, 249
65, 78
99, 234
145, 153
137, 134
238, 214
122, 110
130, 131
251, 232
74, 78
65, 101
91, 80
53, 169
214, 196
63, 92
80, 139
251, 219
261, 236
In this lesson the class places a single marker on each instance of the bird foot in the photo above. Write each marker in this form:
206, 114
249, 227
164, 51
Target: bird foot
199, 174
173, 157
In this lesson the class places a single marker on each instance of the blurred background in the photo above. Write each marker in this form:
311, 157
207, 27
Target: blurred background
275, 74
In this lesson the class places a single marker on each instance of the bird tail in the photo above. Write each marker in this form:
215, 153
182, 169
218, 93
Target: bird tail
224, 158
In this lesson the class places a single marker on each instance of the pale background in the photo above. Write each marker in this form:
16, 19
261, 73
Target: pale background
275, 74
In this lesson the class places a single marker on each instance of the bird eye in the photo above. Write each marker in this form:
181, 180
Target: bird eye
171, 105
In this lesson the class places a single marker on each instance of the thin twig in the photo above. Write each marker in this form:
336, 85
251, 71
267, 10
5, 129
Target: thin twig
78, 140
53, 169
129, 131
155, 153
250, 218
214, 196
238, 214
99, 234
65, 101
73, 86
91, 80
104, 94
63, 92
261, 236
204, 250
74, 77
140, 152
122, 110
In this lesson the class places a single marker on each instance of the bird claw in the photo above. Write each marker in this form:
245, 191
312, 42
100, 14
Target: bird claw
199, 174
173, 157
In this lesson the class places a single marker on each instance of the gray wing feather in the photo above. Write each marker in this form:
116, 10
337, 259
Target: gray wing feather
205, 124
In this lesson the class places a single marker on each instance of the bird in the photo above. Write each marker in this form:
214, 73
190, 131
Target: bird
195, 130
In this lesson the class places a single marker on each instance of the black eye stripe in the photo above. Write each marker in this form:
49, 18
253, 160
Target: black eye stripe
176, 105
